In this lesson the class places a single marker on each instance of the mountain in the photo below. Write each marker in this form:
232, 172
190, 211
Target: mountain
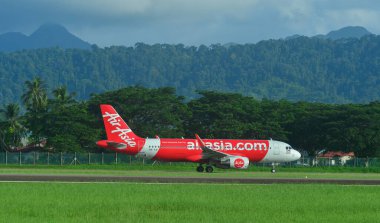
48, 35
295, 36
348, 32
9, 41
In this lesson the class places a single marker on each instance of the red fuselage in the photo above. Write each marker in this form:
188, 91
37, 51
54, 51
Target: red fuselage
188, 150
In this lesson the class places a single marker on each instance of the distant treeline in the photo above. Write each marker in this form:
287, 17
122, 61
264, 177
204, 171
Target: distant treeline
300, 69
69, 125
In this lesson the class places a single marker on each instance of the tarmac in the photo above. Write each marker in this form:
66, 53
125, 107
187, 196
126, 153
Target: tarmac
206, 180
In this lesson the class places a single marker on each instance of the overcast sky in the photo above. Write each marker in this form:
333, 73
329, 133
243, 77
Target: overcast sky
192, 22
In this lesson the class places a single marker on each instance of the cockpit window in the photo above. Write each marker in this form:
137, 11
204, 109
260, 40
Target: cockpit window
288, 148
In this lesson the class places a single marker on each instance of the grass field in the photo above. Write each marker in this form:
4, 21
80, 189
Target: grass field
185, 171
191, 167
126, 202
131, 202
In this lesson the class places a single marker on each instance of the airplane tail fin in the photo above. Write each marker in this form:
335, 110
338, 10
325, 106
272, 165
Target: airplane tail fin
117, 129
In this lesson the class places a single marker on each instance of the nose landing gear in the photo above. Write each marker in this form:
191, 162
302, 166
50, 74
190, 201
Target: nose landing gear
273, 170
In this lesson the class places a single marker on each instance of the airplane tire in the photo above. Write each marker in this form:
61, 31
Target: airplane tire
200, 169
209, 169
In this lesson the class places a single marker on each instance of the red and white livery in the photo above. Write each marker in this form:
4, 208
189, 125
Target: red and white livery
221, 153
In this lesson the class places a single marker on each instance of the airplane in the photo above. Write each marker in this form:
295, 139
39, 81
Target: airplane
220, 153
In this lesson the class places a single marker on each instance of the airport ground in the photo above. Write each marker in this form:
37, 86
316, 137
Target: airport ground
179, 202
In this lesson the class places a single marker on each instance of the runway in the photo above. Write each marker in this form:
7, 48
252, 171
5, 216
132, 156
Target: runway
137, 179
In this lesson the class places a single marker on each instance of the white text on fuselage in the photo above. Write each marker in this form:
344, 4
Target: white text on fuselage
221, 145
114, 120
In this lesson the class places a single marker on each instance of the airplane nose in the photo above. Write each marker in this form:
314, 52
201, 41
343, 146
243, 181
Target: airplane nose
297, 155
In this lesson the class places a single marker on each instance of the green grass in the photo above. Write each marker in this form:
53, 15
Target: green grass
126, 202
183, 171
191, 167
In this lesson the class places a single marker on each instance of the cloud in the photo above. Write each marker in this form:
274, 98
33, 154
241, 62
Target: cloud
361, 17
109, 8
179, 7
190, 22
294, 10
149, 9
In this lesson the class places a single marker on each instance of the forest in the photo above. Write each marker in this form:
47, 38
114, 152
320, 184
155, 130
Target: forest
71, 125
299, 69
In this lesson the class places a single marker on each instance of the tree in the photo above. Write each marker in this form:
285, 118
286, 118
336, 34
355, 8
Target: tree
12, 129
36, 101
61, 98
71, 128
60, 94
148, 112
35, 98
225, 115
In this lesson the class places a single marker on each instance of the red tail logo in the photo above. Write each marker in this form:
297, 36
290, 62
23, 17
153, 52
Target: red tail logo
116, 128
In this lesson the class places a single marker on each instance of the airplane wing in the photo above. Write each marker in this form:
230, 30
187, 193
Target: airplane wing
209, 153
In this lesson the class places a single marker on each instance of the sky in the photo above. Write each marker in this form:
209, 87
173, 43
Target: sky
190, 22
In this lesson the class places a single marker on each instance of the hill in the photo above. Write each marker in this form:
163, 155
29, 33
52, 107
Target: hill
306, 69
48, 35
348, 32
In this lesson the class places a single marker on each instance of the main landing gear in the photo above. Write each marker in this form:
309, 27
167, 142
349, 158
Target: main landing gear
209, 169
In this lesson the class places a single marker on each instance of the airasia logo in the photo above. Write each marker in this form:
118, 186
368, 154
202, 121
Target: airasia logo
114, 120
225, 146
239, 163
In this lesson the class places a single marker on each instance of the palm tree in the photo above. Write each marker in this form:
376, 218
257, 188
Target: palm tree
36, 101
35, 97
62, 97
11, 114
12, 126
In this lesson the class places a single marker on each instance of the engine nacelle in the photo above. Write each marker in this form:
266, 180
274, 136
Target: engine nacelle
237, 162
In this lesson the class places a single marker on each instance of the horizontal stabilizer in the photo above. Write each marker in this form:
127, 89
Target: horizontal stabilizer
116, 145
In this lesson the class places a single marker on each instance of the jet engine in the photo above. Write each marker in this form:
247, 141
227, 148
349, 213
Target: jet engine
237, 162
